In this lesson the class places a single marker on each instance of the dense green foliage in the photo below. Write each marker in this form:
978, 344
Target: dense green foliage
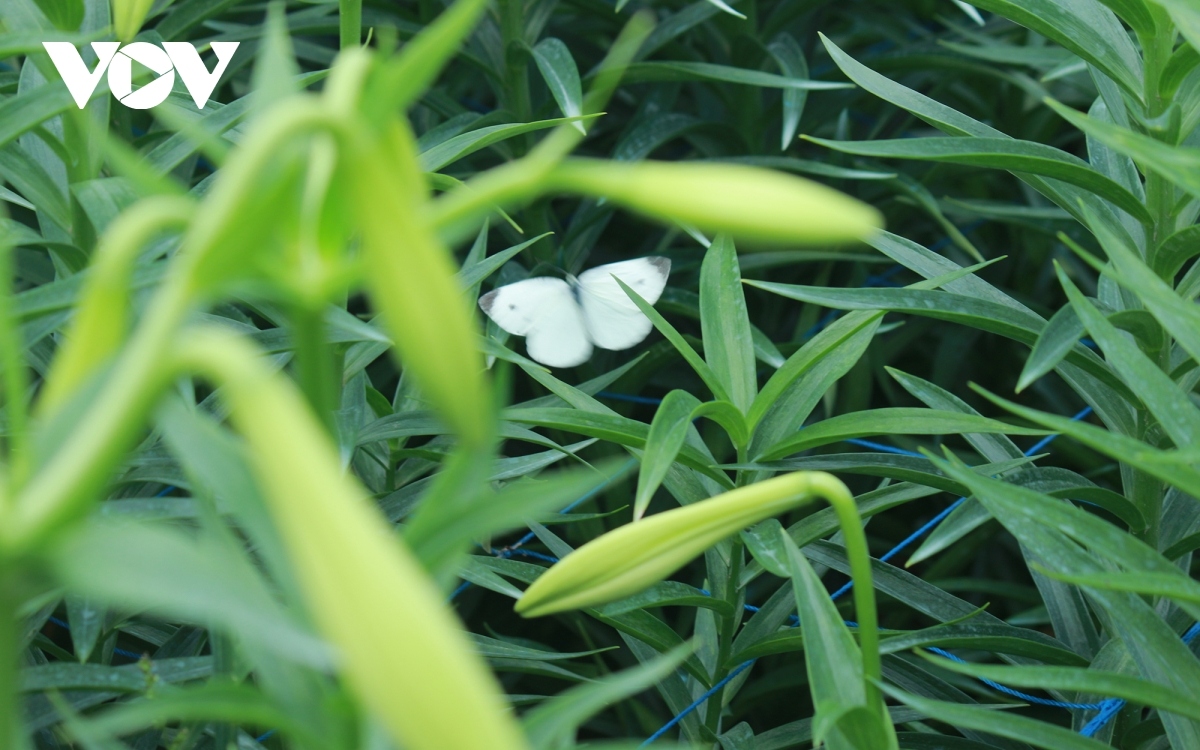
230, 518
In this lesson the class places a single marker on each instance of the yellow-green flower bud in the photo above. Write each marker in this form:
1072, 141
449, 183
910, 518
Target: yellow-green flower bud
749, 202
633, 557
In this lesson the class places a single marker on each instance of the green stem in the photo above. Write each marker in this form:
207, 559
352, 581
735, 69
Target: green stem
16, 379
859, 556
101, 312
314, 364
1160, 193
728, 624
516, 79
81, 466
12, 733
350, 23
457, 215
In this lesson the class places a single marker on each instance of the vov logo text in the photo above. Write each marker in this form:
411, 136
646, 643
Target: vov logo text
118, 61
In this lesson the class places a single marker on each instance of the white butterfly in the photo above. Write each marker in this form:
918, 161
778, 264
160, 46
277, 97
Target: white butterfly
562, 320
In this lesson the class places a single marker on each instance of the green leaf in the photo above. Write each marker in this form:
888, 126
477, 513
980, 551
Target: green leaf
1008, 321
1174, 251
1000, 153
214, 701
798, 733
994, 637
174, 150
808, 166
275, 67
944, 118
403, 78
833, 661
446, 153
86, 618
991, 447
1120, 447
729, 417
640, 140
139, 566
831, 344
1165, 400
1101, 537
494, 648
34, 184
764, 543
788, 55
725, 323
556, 721
20, 114
1179, 164
1180, 317
1059, 337
715, 384
1186, 16
558, 70
611, 427
471, 275
1169, 585
1089, 681
507, 509
890, 421
1000, 723
668, 431
950, 121
697, 71
1086, 28
899, 468
666, 594
132, 678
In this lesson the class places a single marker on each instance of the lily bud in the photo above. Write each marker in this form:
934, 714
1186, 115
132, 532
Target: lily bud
629, 559
748, 202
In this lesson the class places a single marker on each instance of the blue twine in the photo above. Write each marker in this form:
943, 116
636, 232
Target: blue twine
530, 553
696, 703
630, 398
1033, 449
882, 448
1108, 709
1112, 706
515, 547
1017, 693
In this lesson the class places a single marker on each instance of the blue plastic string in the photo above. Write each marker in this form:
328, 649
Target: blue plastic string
1113, 706
515, 547
927, 527
1017, 693
1033, 450
630, 398
698, 702
883, 448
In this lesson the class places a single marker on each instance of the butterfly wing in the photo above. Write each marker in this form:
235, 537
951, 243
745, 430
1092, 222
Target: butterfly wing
545, 312
613, 321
